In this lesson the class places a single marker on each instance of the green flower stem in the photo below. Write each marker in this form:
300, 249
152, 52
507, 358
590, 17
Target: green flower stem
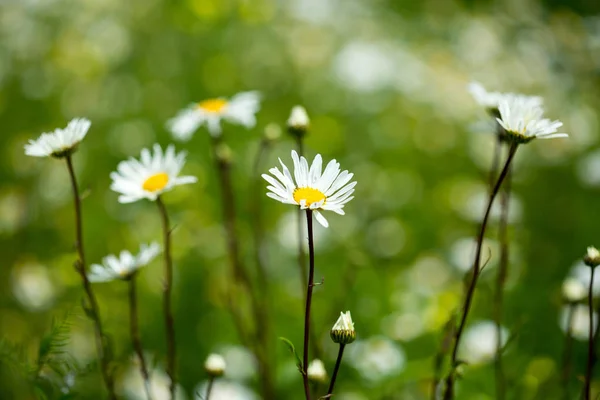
450, 379
135, 334
309, 290
591, 355
499, 290
336, 369
209, 388
568, 350
167, 290
93, 312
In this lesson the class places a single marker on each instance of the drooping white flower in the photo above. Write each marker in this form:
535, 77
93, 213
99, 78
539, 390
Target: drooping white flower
123, 266
343, 330
215, 365
313, 189
523, 120
240, 110
298, 121
316, 371
491, 100
153, 175
61, 142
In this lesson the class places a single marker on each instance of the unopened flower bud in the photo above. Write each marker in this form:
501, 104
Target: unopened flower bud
573, 290
343, 330
592, 257
272, 132
298, 121
316, 371
214, 365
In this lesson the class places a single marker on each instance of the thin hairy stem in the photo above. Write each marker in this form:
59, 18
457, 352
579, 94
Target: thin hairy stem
336, 369
167, 289
135, 335
439, 358
499, 290
449, 392
568, 351
309, 290
591, 355
239, 271
209, 388
92, 309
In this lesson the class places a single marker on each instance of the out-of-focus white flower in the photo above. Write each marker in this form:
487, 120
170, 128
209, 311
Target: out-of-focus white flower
215, 365
479, 342
316, 371
583, 274
33, 287
315, 190
343, 330
523, 120
240, 109
61, 142
376, 358
225, 390
580, 321
123, 266
489, 100
133, 385
592, 257
153, 175
573, 290
298, 121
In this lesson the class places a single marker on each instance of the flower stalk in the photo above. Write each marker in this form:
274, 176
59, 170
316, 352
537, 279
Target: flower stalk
309, 290
167, 291
568, 350
450, 379
92, 309
338, 361
135, 334
591, 355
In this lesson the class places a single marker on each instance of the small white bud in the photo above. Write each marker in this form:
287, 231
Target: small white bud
316, 371
215, 365
343, 330
592, 257
573, 290
298, 121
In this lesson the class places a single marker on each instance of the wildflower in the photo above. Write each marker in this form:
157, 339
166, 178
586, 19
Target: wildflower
240, 109
573, 290
316, 371
523, 121
312, 190
489, 100
343, 330
124, 266
298, 121
592, 257
215, 365
150, 177
61, 142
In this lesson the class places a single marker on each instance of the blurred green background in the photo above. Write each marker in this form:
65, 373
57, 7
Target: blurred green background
384, 83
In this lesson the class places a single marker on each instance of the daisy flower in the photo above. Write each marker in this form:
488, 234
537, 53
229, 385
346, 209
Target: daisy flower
491, 100
123, 266
298, 121
61, 142
153, 175
240, 109
523, 120
313, 189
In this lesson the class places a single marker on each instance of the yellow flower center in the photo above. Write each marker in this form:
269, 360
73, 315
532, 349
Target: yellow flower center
213, 105
309, 194
156, 182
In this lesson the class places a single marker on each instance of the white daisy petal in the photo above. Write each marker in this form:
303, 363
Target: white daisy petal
124, 266
313, 190
61, 142
185, 123
157, 173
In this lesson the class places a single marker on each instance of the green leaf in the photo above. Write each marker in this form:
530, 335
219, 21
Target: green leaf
292, 349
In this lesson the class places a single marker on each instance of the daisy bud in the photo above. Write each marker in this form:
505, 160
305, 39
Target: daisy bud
343, 330
316, 371
272, 132
592, 257
215, 365
298, 121
573, 290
